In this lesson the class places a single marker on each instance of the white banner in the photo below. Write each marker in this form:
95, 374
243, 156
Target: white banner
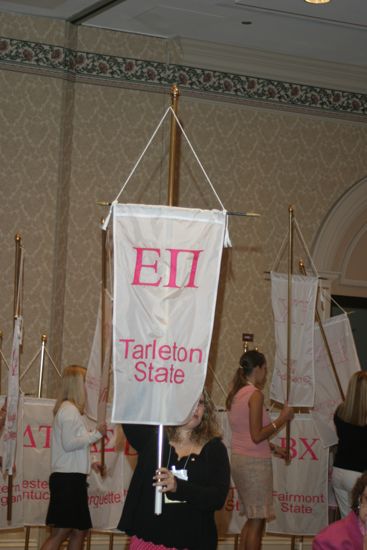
30, 487
304, 292
327, 394
10, 429
166, 271
300, 488
97, 379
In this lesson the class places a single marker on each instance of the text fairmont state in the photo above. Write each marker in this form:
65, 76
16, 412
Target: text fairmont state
298, 503
159, 363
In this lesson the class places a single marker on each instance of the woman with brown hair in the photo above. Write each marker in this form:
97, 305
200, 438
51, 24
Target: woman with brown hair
68, 512
251, 450
350, 420
194, 482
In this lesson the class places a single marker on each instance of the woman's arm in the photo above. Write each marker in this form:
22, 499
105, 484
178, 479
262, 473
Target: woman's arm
139, 435
210, 496
259, 432
74, 435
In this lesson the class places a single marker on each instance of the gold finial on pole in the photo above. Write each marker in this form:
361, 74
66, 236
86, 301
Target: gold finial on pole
173, 147
42, 364
302, 270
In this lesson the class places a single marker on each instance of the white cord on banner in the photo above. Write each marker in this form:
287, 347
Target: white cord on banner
324, 292
197, 158
29, 365
217, 380
52, 363
280, 252
306, 248
330, 299
3, 358
142, 154
147, 146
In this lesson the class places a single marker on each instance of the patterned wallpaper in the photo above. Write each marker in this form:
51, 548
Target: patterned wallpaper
76, 112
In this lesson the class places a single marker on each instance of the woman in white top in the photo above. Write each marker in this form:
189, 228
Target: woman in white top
68, 511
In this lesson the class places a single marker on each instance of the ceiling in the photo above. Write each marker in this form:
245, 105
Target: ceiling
334, 32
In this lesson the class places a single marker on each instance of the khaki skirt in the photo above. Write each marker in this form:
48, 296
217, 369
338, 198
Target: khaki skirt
253, 478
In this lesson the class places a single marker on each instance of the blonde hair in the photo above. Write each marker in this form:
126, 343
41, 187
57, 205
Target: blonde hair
72, 387
354, 408
207, 429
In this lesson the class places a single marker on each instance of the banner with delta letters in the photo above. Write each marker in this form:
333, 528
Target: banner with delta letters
166, 271
304, 292
340, 339
30, 491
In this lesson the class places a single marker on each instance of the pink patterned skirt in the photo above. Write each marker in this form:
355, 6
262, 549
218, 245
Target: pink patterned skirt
140, 544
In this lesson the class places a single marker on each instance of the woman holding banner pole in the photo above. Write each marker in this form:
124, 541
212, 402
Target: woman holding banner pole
194, 483
251, 450
68, 512
351, 426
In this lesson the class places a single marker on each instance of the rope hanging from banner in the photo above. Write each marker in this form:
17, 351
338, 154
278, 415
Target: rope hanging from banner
169, 109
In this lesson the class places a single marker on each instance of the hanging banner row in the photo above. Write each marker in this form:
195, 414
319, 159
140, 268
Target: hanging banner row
300, 489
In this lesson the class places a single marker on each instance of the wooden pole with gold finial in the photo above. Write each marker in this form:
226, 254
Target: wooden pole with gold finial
16, 313
289, 321
170, 202
173, 147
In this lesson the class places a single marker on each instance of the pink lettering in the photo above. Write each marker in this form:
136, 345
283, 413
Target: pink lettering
139, 266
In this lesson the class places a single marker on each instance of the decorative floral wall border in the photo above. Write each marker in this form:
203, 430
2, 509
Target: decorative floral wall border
76, 64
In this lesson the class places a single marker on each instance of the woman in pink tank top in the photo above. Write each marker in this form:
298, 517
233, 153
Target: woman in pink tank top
251, 450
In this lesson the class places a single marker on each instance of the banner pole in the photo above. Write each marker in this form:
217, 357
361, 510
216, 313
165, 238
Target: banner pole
302, 269
170, 202
1, 356
42, 364
103, 322
16, 301
173, 146
16, 313
289, 323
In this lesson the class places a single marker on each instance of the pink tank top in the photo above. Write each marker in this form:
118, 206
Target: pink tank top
239, 420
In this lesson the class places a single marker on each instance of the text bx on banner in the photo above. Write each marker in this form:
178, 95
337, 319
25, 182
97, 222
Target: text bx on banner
166, 272
300, 489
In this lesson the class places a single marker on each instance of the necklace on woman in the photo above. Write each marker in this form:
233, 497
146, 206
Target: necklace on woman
173, 466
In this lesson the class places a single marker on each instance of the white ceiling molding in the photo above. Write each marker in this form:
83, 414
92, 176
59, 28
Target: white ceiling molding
271, 65
338, 221
356, 247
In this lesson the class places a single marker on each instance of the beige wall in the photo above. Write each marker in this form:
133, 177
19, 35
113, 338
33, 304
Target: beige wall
65, 144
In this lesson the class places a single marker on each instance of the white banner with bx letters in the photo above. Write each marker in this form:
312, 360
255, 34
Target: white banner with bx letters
166, 271
300, 489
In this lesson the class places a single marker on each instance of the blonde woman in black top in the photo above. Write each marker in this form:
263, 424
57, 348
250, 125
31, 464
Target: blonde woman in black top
351, 426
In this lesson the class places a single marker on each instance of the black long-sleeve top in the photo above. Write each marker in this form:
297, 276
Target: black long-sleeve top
351, 451
190, 522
